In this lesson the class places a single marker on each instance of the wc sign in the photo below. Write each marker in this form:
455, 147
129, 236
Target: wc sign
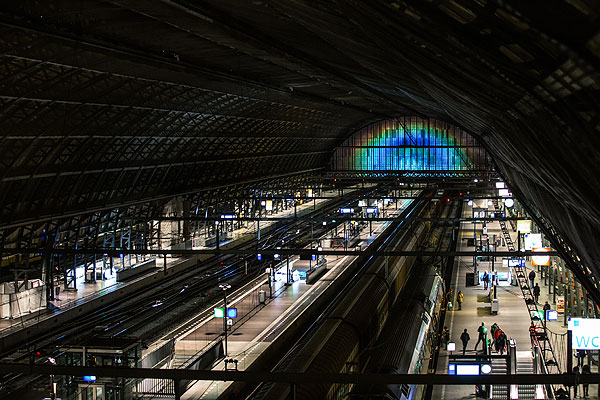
586, 333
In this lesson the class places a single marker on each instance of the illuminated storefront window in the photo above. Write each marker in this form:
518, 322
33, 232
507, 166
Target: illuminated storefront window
410, 144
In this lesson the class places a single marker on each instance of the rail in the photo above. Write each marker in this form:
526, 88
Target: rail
540, 333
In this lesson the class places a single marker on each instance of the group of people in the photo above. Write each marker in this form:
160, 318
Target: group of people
482, 337
563, 393
586, 386
500, 339
498, 335
450, 297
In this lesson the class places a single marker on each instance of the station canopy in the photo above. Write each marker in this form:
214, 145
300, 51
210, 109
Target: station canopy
108, 106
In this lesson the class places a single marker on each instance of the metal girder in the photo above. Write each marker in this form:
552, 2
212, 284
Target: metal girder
298, 377
160, 196
287, 251
337, 217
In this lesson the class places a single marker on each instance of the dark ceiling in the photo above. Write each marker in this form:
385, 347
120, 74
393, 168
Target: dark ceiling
105, 103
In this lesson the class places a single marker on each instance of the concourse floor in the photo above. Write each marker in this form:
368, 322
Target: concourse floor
513, 317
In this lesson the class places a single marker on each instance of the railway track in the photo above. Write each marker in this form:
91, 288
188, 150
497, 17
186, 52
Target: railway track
150, 314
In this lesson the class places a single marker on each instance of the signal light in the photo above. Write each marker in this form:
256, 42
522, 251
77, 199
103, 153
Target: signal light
39, 353
447, 200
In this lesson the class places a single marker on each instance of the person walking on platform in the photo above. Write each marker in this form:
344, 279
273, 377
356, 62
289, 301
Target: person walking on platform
585, 370
531, 278
459, 299
449, 297
482, 330
486, 278
576, 385
501, 342
546, 309
536, 292
445, 336
532, 329
464, 338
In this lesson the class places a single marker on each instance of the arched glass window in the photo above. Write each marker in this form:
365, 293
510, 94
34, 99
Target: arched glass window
411, 144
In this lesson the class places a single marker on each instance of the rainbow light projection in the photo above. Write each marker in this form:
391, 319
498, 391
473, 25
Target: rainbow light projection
412, 144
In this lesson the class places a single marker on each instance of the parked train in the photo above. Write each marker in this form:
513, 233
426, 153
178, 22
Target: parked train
407, 339
343, 339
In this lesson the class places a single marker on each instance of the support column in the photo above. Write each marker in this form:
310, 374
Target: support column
187, 237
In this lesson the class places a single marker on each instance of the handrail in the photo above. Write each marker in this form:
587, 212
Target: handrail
533, 311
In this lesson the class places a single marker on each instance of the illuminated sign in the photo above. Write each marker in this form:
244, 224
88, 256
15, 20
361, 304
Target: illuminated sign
227, 216
524, 225
269, 205
504, 193
232, 313
542, 259
89, 378
560, 304
371, 210
551, 315
346, 210
509, 203
533, 240
516, 262
586, 333
451, 346
499, 185
467, 369
451, 369
309, 192
219, 312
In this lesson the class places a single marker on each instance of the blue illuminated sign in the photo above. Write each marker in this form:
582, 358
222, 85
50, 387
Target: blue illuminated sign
259, 257
516, 262
346, 210
451, 369
89, 378
371, 210
551, 315
232, 313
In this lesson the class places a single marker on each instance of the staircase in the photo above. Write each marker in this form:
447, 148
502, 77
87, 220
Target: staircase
180, 359
525, 366
499, 367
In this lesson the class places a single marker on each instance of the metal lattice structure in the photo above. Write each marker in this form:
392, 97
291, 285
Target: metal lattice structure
111, 109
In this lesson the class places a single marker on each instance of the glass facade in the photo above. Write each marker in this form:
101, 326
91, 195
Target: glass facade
411, 144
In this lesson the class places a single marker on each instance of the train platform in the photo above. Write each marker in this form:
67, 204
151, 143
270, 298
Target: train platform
87, 292
513, 316
248, 340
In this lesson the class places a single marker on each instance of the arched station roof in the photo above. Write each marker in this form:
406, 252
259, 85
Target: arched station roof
109, 103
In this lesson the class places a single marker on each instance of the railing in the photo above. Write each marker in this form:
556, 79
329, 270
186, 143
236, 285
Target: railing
548, 358
152, 388
541, 368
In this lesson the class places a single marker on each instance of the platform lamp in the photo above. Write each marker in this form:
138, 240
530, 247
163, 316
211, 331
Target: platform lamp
225, 286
